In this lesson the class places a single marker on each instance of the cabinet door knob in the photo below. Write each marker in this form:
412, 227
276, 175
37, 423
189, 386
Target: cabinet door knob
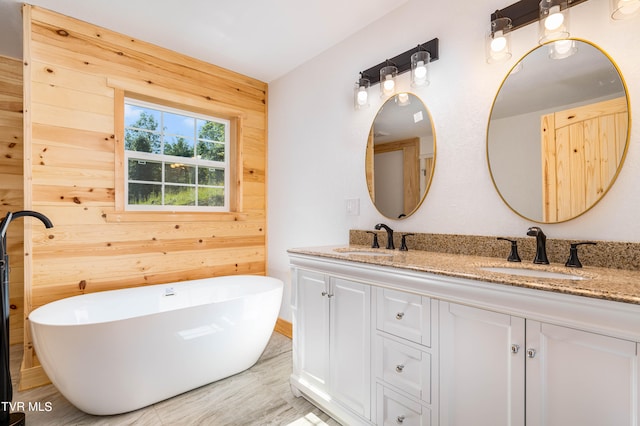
531, 353
399, 368
324, 293
400, 419
515, 348
330, 295
399, 315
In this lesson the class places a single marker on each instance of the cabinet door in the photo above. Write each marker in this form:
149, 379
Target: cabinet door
579, 378
350, 344
312, 328
482, 367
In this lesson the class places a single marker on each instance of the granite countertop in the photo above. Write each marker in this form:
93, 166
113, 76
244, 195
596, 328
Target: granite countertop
602, 283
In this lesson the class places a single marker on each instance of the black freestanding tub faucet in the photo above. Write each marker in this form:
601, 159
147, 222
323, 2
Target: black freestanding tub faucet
6, 389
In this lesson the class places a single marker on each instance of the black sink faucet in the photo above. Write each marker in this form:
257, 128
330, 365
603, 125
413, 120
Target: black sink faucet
541, 245
390, 244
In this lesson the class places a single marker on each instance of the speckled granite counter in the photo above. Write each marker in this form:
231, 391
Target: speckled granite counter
600, 283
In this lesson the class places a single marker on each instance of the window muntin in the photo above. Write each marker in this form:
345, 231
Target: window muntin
175, 160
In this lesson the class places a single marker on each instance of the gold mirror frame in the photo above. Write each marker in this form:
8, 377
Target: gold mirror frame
557, 203
396, 131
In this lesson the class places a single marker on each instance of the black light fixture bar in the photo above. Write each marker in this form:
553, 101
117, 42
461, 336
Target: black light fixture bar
403, 60
524, 12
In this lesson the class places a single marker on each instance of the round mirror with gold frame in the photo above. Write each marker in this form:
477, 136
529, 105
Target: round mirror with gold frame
400, 157
558, 131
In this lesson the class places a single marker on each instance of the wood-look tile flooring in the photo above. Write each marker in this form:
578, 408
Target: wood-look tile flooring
258, 396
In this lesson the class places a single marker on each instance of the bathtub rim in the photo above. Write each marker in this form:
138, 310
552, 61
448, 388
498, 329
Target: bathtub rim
277, 285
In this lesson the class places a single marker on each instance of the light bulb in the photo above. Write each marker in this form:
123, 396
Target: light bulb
421, 71
362, 96
389, 84
499, 42
554, 20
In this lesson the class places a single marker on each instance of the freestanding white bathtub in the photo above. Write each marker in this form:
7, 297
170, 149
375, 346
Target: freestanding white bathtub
117, 351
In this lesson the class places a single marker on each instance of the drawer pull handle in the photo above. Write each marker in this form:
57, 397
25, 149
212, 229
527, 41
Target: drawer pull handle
399, 315
515, 348
400, 419
531, 353
399, 368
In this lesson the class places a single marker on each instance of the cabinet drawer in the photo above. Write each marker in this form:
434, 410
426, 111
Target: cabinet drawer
404, 315
395, 409
406, 368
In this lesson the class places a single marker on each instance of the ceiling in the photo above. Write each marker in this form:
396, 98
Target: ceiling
263, 39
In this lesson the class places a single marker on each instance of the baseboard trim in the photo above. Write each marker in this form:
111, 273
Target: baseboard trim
32, 378
284, 327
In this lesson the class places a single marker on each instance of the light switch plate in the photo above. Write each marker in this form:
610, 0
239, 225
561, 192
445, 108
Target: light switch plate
353, 207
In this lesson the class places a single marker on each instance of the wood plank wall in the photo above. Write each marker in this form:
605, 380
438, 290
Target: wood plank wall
11, 187
73, 73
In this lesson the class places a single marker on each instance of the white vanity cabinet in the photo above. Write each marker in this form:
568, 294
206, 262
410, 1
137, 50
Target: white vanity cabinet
332, 344
376, 345
499, 369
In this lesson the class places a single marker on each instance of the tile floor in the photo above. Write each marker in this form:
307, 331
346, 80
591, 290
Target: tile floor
258, 396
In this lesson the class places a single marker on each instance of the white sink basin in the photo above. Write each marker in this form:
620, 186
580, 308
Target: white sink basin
533, 273
363, 253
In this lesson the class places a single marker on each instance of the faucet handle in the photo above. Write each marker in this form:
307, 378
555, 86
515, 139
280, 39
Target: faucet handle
573, 261
403, 243
374, 244
513, 256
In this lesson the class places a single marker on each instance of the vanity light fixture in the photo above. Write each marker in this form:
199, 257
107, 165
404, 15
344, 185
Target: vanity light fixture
361, 93
498, 42
415, 60
554, 20
552, 15
624, 9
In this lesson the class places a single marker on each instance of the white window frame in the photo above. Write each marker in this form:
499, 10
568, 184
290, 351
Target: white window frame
193, 161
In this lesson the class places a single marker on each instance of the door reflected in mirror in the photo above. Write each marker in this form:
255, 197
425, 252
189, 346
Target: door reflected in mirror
400, 156
558, 131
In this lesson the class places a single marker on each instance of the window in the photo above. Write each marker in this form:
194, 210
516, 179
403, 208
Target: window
175, 160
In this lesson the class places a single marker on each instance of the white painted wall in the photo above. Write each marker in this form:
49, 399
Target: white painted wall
317, 140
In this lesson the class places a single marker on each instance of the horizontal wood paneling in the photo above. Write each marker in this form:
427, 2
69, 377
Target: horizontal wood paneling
11, 185
74, 69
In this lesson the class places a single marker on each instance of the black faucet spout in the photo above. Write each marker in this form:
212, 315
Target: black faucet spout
541, 245
390, 244
22, 213
45, 220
